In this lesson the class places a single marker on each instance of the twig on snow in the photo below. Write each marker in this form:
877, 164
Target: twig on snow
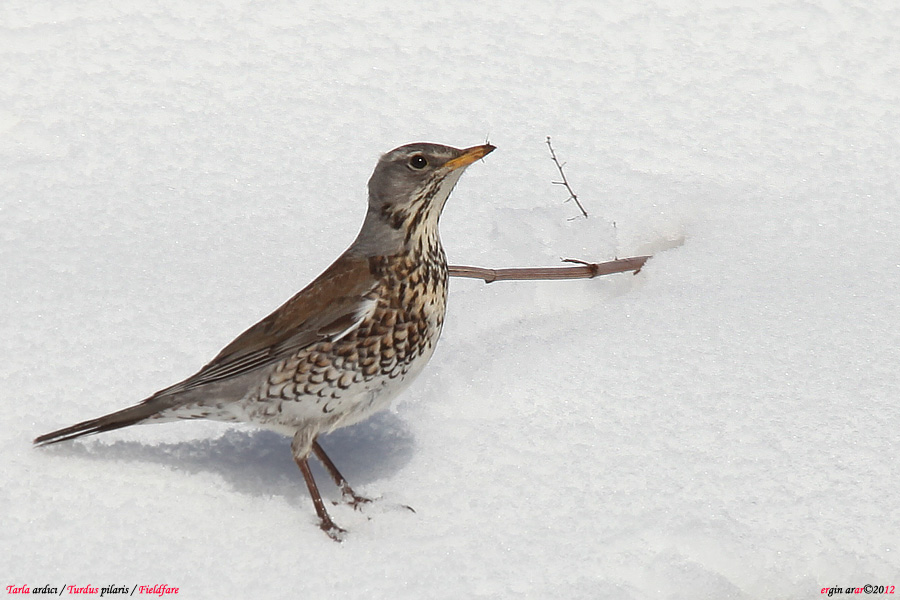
565, 182
584, 270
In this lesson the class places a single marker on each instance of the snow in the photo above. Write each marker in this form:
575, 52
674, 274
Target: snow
722, 425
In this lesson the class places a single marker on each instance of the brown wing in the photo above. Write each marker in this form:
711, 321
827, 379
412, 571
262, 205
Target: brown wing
327, 308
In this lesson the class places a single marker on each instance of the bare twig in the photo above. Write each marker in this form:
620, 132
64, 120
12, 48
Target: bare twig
565, 182
585, 270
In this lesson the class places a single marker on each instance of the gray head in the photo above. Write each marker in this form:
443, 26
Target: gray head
407, 193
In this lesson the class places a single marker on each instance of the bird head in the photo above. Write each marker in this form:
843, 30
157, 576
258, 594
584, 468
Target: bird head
407, 193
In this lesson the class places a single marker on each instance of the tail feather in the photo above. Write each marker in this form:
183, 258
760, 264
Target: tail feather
122, 418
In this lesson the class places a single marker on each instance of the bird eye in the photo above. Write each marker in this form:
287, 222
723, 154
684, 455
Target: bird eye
418, 162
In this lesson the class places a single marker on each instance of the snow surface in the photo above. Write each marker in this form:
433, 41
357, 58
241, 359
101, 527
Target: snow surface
723, 425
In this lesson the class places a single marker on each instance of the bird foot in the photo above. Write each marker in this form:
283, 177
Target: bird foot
354, 500
333, 531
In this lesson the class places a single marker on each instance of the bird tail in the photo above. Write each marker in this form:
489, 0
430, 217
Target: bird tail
122, 418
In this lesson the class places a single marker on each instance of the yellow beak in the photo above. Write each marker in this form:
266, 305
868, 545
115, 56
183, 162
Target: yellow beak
468, 156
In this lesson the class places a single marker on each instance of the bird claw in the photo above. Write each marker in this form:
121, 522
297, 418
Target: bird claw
355, 501
351, 498
333, 531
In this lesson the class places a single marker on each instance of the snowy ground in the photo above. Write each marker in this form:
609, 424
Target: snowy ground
723, 425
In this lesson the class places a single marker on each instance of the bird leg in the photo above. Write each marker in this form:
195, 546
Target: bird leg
351, 497
325, 522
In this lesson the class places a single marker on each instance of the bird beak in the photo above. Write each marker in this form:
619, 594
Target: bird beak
468, 156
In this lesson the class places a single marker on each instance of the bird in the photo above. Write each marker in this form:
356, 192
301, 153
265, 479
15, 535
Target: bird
344, 346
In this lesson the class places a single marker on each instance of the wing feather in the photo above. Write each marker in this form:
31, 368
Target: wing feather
328, 308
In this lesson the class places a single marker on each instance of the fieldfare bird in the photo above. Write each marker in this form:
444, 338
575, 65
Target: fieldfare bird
345, 345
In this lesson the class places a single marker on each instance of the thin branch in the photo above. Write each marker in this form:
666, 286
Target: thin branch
585, 270
565, 182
